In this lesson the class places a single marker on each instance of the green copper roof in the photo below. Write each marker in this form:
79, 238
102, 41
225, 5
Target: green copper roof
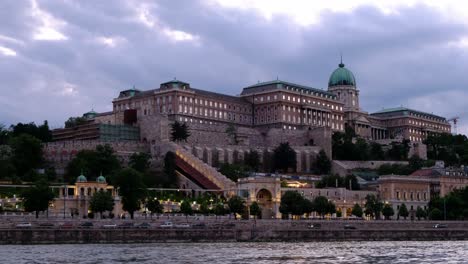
81, 178
101, 179
405, 112
342, 76
300, 88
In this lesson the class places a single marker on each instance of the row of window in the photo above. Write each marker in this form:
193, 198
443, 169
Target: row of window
430, 125
411, 196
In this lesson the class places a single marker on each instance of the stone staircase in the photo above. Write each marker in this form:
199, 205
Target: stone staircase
204, 173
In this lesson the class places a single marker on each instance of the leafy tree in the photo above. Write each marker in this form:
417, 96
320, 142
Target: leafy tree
154, 206
204, 209
255, 210
284, 157
186, 208
101, 201
179, 131
41, 132
131, 189
415, 163
357, 210
27, 153
307, 206
236, 205
234, 171
376, 151
436, 214
388, 211
75, 121
373, 206
231, 131
93, 162
37, 198
219, 209
403, 211
322, 206
323, 163
291, 203
4, 135
140, 161
420, 213
252, 159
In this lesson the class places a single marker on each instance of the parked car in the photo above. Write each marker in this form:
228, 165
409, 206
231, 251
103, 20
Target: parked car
23, 225
315, 226
86, 225
167, 224
126, 225
440, 226
144, 225
184, 225
349, 227
66, 225
110, 226
46, 225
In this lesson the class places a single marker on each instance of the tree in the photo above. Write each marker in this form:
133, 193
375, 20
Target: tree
236, 205
307, 206
27, 153
322, 206
179, 131
291, 203
219, 209
233, 171
37, 198
41, 132
323, 162
140, 161
75, 121
255, 210
186, 208
154, 206
373, 206
231, 131
376, 151
4, 135
252, 159
388, 211
403, 211
284, 157
415, 163
357, 210
101, 201
436, 214
204, 209
131, 189
93, 163
420, 213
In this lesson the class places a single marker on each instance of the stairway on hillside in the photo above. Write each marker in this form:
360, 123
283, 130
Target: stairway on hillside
209, 172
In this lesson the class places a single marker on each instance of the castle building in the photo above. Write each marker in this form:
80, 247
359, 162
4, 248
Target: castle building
265, 105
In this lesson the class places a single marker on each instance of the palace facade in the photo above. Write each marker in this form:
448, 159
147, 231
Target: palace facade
266, 105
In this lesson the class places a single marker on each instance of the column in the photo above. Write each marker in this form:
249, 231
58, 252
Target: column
209, 156
298, 161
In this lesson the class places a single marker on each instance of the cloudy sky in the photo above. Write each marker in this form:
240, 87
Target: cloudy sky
61, 58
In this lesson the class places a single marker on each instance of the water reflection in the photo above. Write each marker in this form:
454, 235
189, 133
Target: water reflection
316, 252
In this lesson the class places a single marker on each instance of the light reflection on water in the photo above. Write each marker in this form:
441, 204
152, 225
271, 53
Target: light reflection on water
312, 252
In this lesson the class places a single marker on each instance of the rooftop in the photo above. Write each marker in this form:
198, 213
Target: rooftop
402, 109
285, 83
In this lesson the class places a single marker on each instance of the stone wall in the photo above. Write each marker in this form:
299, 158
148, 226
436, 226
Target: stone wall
344, 167
60, 153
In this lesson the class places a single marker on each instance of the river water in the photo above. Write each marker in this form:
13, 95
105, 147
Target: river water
312, 252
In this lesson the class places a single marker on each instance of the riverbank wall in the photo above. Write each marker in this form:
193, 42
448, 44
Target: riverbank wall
96, 236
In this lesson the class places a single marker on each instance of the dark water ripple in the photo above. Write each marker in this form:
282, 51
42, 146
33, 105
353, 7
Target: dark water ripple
446, 252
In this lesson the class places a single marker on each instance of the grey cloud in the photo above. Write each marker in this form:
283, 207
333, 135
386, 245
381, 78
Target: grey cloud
396, 58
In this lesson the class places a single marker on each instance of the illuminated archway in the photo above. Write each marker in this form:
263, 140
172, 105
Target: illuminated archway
264, 200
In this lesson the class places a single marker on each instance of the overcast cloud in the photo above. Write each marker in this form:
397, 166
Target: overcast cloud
62, 58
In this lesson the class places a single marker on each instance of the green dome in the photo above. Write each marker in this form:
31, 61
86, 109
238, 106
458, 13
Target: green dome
81, 178
89, 115
342, 76
101, 179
